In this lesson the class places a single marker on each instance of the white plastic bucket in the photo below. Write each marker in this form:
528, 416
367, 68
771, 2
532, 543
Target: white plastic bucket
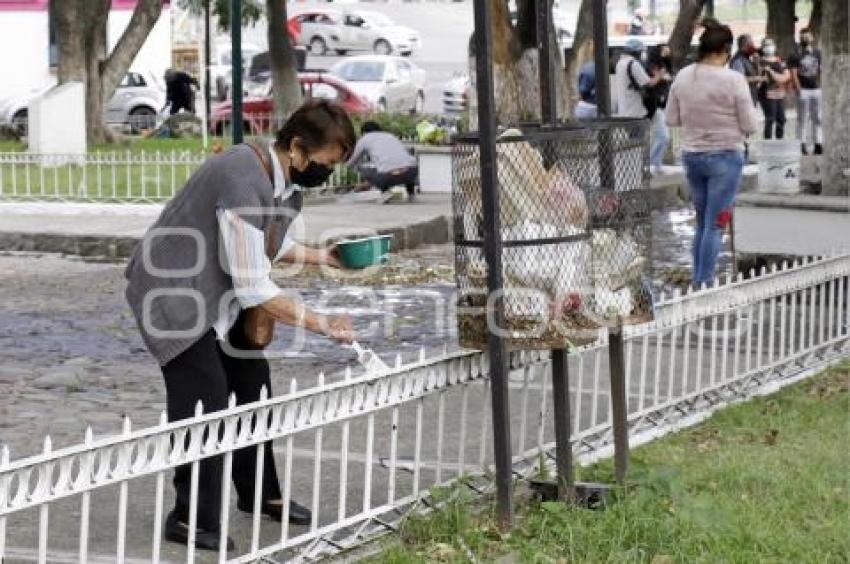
779, 166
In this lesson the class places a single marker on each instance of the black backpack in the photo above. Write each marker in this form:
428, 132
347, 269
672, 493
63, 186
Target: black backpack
649, 94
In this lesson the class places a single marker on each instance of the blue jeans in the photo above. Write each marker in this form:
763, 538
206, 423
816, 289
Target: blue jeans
714, 178
660, 139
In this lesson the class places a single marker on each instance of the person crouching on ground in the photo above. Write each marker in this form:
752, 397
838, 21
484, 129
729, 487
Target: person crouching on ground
384, 162
713, 106
200, 289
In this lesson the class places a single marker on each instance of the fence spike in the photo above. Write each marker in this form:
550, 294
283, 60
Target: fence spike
398, 360
231, 400
48, 444
422, 354
126, 425
763, 270
445, 349
264, 393
199, 408
784, 265
163, 418
293, 386
4, 455
321, 379
677, 292
347, 373
88, 436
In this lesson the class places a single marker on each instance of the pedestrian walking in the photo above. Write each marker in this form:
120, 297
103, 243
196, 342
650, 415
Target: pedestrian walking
586, 85
745, 62
772, 90
384, 162
713, 106
637, 96
805, 65
199, 287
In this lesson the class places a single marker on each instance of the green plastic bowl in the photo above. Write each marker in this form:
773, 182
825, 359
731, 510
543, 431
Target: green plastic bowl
369, 251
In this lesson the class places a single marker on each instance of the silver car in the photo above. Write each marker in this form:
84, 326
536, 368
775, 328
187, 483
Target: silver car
136, 103
360, 30
390, 84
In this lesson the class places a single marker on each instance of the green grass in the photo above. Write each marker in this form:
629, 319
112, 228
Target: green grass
765, 481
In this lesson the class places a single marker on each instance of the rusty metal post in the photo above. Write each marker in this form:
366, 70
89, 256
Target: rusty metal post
493, 255
619, 406
548, 96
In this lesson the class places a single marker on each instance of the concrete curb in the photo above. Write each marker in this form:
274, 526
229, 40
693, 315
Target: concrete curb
429, 232
796, 201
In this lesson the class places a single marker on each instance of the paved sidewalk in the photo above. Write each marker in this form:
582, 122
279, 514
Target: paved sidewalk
113, 229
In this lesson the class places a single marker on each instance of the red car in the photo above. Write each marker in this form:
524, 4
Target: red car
257, 111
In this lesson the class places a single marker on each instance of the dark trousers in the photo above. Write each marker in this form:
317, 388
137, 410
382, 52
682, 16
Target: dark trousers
774, 115
205, 372
408, 177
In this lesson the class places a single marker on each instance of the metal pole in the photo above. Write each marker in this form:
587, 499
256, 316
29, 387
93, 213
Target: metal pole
207, 57
236, 68
548, 100
600, 56
493, 256
563, 446
616, 364
709, 8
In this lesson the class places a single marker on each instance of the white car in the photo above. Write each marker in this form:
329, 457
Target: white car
343, 31
390, 84
137, 102
456, 94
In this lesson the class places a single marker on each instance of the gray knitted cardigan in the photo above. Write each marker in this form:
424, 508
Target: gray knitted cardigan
178, 285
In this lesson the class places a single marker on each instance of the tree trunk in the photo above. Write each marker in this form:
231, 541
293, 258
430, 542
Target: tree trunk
835, 44
683, 30
286, 89
69, 38
816, 19
82, 35
578, 54
515, 64
781, 25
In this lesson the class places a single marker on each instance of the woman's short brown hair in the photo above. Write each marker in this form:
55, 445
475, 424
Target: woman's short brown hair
319, 123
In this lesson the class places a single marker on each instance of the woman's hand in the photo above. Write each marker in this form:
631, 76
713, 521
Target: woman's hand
330, 257
338, 327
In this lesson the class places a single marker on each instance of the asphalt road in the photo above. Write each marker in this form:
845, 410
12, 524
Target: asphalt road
445, 28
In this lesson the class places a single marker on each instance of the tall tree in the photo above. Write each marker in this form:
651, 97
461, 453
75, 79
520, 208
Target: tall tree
285, 86
516, 65
84, 56
835, 43
683, 30
816, 18
578, 54
781, 25
284, 68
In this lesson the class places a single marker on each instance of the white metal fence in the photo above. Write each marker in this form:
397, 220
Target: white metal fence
114, 176
363, 450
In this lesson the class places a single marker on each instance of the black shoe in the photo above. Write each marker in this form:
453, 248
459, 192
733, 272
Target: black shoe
818, 149
175, 531
298, 514
804, 150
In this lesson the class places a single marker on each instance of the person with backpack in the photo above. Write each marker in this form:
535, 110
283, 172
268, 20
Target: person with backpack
712, 105
637, 96
805, 65
772, 90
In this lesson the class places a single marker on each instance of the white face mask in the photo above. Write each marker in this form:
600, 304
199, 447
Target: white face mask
769, 51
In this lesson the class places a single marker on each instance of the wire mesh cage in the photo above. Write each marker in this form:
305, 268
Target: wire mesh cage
576, 234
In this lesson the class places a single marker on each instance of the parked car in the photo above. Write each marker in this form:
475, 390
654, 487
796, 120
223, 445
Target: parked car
136, 103
221, 64
456, 94
390, 84
344, 31
258, 108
